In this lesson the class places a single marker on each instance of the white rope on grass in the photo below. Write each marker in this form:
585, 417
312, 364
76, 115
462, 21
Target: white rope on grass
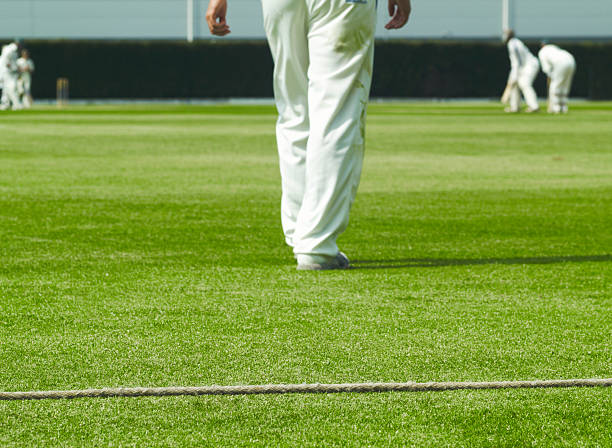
300, 389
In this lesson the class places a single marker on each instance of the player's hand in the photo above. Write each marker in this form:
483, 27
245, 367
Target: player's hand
215, 17
399, 10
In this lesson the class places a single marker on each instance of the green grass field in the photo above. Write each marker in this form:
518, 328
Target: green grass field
141, 246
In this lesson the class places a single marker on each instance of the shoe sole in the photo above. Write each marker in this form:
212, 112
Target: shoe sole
340, 262
320, 267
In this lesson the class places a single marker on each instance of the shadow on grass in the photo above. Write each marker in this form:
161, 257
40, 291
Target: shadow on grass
438, 262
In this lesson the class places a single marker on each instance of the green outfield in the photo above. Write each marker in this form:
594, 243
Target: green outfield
141, 246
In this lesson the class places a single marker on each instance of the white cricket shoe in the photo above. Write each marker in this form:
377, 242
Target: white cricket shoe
321, 263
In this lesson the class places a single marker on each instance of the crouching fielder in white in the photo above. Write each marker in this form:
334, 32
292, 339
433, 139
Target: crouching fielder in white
524, 68
559, 65
323, 56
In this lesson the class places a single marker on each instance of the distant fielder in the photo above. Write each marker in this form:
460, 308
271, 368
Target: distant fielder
524, 68
559, 65
323, 56
26, 68
10, 75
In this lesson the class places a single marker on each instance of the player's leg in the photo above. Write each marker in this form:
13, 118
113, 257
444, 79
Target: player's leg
566, 84
562, 88
525, 81
285, 24
556, 91
27, 92
12, 93
341, 45
20, 89
4, 101
515, 99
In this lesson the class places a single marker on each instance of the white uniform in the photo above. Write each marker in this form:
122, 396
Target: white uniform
560, 66
323, 53
26, 68
3, 98
2, 69
10, 75
524, 68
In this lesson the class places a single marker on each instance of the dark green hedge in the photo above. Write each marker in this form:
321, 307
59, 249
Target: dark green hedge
153, 69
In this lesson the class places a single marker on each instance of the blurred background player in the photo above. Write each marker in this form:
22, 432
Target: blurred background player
26, 68
524, 68
10, 77
1, 74
559, 65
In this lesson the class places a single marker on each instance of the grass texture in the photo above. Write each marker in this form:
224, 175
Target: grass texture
141, 246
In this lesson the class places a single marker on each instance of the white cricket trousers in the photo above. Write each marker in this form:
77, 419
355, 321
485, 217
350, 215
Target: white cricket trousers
323, 54
561, 79
10, 94
26, 89
525, 80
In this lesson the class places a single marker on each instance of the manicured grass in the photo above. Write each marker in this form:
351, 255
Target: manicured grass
141, 246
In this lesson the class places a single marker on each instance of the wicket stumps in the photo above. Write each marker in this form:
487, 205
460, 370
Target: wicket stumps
62, 92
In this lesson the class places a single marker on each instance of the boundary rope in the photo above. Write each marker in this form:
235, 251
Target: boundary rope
300, 389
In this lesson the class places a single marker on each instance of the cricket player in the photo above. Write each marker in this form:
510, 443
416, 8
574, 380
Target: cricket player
524, 68
10, 76
2, 68
26, 68
323, 56
559, 65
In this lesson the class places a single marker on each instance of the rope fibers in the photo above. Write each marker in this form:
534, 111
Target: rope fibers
300, 389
